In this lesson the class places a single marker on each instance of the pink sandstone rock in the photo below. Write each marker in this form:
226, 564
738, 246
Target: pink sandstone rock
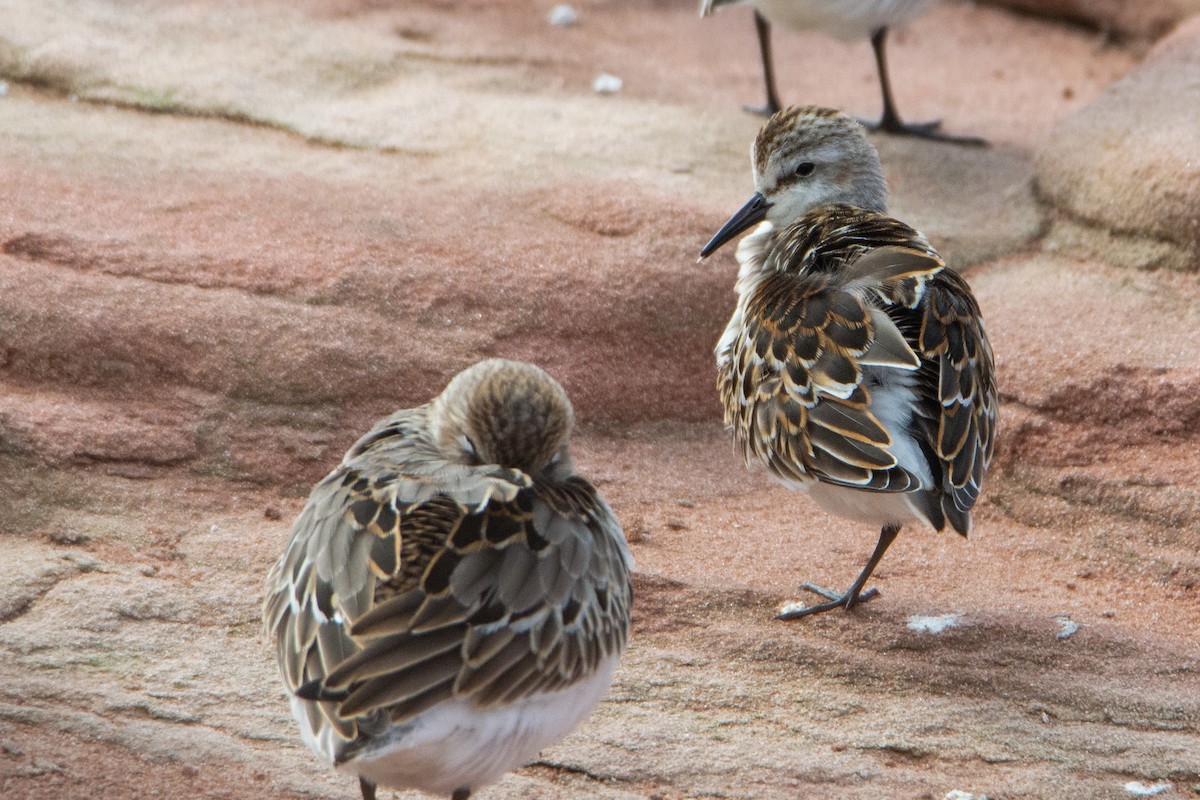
1140, 18
1124, 172
198, 316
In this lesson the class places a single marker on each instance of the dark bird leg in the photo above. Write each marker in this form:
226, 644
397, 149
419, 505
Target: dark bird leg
854, 594
764, 48
890, 122
462, 793
368, 789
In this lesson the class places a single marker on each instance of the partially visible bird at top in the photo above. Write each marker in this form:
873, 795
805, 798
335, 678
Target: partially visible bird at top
855, 366
849, 20
454, 597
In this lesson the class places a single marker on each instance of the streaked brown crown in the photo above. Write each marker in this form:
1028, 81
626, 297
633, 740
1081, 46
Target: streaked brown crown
832, 139
511, 413
799, 128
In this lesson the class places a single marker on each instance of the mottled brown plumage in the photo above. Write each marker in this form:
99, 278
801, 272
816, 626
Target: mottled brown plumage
856, 365
452, 572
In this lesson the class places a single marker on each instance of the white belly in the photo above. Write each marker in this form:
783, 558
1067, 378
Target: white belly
456, 745
845, 19
877, 508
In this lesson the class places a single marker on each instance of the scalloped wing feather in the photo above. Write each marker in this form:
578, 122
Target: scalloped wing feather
966, 402
843, 289
795, 394
491, 587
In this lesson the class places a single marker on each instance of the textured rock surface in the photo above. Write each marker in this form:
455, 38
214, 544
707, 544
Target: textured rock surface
1140, 18
1124, 172
235, 234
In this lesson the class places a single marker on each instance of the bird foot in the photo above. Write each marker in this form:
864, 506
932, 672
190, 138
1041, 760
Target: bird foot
922, 130
847, 601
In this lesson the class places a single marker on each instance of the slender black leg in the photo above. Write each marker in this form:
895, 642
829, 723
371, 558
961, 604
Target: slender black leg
368, 789
854, 594
462, 793
764, 48
890, 122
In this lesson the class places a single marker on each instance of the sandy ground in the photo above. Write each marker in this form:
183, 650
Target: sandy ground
235, 234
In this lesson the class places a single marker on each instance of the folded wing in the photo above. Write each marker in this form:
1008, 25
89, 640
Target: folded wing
409, 581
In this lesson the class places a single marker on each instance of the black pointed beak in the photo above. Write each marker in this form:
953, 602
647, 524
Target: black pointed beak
752, 213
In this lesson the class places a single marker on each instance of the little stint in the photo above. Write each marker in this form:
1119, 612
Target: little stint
855, 365
454, 597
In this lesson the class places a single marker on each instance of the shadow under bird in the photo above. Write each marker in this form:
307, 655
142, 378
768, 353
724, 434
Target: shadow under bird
454, 597
855, 366
849, 20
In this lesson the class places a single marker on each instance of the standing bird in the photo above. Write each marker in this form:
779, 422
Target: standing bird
855, 365
453, 597
848, 20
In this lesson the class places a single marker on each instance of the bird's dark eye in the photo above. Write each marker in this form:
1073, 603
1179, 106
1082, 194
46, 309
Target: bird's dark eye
805, 168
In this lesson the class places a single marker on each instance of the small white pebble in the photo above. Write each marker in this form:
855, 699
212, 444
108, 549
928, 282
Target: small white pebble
1066, 627
82, 560
214, 528
941, 622
607, 84
563, 16
959, 794
3, 88
1140, 789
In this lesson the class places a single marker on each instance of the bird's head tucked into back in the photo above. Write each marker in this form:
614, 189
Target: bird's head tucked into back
803, 158
508, 413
